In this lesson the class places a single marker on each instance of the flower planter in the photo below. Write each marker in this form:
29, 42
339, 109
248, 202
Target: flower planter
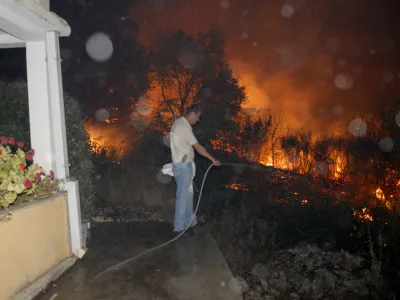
34, 239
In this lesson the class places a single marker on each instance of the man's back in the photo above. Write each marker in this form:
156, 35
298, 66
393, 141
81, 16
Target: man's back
182, 141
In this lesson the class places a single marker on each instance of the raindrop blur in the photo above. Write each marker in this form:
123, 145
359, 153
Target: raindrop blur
102, 114
98, 176
344, 81
245, 35
79, 78
99, 47
66, 64
287, 11
143, 106
333, 44
239, 169
66, 53
338, 110
165, 140
321, 167
189, 61
255, 43
397, 118
321, 110
387, 77
158, 5
224, 4
386, 144
372, 51
358, 127
292, 56
244, 13
162, 178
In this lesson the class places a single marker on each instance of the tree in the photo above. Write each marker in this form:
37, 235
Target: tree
192, 69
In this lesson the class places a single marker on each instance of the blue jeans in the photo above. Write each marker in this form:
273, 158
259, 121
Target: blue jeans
183, 173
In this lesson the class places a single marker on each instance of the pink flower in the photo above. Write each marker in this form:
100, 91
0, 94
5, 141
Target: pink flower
32, 151
11, 141
51, 174
20, 144
38, 176
22, 166
3, 140
29, 156
28, 184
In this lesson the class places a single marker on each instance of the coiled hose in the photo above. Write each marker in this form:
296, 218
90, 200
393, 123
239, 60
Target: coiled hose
172, 240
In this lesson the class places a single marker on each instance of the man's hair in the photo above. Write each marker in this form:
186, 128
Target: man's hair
195, 108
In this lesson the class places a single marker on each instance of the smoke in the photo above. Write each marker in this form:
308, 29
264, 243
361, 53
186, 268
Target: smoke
322, 63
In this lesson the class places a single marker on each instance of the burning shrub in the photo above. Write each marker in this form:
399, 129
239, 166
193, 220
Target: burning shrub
20, 179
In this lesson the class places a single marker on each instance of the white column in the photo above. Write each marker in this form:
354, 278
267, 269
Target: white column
74, 215
57, 104
40, 112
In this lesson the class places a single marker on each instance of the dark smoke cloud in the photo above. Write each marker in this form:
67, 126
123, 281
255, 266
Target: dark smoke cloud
289, 53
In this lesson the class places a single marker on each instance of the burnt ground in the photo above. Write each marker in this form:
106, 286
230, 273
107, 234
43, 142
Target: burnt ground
276, 221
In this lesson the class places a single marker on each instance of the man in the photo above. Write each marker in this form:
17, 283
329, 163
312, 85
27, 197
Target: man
182, 142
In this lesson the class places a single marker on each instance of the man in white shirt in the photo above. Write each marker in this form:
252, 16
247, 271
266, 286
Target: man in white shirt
182, 143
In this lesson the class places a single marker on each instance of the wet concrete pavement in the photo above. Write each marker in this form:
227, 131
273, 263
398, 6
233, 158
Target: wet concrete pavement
191, 268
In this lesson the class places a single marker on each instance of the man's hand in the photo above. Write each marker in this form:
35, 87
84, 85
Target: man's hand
216, 162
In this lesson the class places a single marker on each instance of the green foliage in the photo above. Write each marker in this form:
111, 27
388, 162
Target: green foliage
20, 179
14, 121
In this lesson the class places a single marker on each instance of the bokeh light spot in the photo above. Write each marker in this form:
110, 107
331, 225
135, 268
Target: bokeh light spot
386, 144
66, 53
358, 127
99, 47
321, 167
287, 11
102, 114
162, 178
338, 110
143, 106
224, 4
397, 118
344, 81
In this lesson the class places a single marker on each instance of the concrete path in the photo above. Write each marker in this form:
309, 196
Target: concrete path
192, 268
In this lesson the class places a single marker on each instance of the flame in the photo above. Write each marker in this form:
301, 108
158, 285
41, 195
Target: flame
237, 186
113, 139
364, 214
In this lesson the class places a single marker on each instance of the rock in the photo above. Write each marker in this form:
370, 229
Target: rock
327, 278
243, 285
269, 297
348, 261
253, 295
357, 287
260, 270
274, 292
294, 296
264, 284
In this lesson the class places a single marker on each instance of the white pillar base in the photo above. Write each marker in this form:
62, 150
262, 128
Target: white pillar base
74, 215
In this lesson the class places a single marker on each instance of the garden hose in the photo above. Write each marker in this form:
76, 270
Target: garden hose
175, 238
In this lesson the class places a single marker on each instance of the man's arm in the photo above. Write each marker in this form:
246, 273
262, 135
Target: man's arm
202, 151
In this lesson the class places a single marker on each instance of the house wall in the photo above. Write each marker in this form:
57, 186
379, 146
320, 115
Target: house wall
34, 240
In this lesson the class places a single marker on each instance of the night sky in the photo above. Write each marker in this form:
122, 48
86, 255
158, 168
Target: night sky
321, 62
